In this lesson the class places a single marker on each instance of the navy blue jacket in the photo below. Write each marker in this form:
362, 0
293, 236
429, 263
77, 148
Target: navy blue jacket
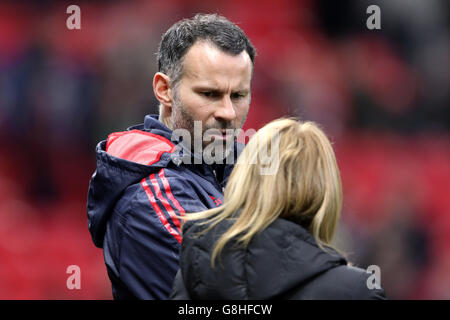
139, 187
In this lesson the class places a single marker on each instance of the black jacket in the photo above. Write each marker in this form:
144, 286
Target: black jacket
282, 262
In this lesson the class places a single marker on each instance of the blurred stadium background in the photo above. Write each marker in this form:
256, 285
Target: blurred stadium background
382, 96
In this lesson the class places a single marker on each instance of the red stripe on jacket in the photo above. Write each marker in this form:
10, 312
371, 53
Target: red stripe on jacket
164, 201
169, 192
158, 211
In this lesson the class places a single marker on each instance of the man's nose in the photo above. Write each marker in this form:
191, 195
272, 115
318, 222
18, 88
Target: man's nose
226, 110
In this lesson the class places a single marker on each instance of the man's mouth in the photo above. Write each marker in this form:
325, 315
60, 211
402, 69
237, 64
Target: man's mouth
223, 135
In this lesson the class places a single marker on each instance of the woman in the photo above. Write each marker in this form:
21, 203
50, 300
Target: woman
271, 238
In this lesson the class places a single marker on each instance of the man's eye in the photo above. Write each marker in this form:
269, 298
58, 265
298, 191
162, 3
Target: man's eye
237, 95
209, 94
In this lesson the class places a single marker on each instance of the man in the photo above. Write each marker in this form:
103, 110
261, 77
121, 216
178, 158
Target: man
150, 174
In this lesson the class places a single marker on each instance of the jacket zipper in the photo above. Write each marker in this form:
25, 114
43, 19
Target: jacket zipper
217, 181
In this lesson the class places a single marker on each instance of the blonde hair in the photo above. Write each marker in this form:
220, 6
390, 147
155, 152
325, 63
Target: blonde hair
306, 187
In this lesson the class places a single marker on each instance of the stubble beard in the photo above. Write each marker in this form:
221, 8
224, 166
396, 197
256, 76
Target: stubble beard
219, 150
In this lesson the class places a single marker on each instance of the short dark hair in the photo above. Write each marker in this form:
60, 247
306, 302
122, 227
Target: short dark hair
210, 27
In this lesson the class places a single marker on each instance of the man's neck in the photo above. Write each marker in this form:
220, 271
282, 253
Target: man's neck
165, 121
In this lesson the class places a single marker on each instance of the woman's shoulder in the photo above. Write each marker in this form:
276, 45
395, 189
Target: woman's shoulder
343, 282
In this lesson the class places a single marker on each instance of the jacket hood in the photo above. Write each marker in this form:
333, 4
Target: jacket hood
278, 259
123, 159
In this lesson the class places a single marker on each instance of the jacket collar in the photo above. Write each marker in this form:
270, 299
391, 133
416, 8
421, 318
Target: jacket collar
182, 152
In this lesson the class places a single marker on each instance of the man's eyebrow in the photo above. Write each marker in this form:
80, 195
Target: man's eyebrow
213, 88
206, 88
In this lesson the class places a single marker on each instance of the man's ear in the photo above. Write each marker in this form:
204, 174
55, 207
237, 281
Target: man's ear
163, 90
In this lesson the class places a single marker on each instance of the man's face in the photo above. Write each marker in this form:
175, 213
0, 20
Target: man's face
214, 89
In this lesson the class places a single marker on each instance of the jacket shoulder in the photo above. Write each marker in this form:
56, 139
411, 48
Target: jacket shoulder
158, 200
357, 280
138, 146
340, 283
